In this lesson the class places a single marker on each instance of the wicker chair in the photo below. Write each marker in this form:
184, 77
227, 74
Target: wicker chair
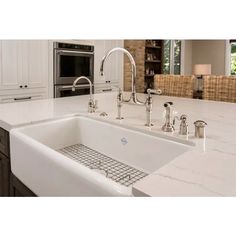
219, 88
175, 85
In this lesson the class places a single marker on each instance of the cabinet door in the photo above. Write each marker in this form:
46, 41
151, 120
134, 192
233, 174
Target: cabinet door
113, 70
10, 68
111, 62
4, 175
117, 70
116, 61
35, 63
18, 189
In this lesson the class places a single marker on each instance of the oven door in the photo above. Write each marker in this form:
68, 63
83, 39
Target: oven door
66, 90
69, 65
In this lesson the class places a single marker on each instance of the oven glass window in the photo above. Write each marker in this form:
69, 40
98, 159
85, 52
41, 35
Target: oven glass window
74, 66
68, 93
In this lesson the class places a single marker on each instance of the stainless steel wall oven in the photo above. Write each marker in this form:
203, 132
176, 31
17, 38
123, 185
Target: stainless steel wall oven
70, 62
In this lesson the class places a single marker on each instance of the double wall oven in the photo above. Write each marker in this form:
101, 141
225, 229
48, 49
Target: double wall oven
70, 62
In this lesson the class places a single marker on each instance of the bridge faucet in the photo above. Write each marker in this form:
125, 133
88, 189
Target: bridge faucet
133, 97
92, 104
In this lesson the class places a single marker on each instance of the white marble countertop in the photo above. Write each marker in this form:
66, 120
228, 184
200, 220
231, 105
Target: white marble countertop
207, 169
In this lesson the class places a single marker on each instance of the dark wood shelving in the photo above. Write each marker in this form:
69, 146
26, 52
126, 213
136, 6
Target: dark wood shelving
149, 75
154, 47
153, 61
149, 61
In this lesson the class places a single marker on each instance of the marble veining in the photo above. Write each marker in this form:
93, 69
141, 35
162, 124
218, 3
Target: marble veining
192, 183
207, 169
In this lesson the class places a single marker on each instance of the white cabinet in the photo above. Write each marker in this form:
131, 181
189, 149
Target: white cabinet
10, 68
23, 69
99, 53
35, 63
113, 69
115, 62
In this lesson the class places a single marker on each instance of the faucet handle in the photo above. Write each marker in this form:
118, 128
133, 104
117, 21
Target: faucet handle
154, 91
150, 92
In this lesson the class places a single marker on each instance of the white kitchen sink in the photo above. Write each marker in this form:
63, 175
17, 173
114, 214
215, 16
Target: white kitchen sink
39, 159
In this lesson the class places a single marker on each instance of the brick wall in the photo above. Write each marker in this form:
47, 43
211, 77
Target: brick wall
137, 49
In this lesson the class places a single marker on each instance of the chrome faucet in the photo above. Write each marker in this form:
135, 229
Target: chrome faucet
149, 103
92, 104
133, 98
168, 126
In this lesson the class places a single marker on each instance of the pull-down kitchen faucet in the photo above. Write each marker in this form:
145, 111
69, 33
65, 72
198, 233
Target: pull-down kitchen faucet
92, 104
133, 98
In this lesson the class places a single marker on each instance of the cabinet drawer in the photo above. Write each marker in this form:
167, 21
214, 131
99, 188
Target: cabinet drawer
4, 142
21, 98
105, 89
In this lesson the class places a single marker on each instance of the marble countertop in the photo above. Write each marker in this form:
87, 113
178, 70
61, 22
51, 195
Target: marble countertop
207, 169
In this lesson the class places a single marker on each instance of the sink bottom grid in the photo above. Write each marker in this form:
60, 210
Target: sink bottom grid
111, 168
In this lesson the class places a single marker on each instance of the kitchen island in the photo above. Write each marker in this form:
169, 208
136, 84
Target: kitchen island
207, 169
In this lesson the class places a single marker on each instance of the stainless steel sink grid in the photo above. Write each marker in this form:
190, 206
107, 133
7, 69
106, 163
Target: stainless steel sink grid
115, 170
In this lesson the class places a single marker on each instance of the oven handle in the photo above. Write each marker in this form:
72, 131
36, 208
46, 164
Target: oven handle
74, 52
77, 86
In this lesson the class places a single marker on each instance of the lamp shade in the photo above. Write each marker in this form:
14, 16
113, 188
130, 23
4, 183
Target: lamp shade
202, 69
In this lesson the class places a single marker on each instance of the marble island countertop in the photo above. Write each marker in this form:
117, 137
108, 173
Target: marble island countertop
207, 169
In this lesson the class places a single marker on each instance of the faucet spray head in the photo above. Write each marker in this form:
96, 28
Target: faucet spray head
168, 104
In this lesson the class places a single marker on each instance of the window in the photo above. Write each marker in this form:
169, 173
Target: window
166, 64
233, 57
177, 57
172, 57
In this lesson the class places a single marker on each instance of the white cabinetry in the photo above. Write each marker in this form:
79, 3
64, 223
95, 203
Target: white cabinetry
113, 69
23, 69
10, 76
21, 98
35, 59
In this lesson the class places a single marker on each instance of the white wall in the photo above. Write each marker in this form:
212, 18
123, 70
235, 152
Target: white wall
210, 52
187, 57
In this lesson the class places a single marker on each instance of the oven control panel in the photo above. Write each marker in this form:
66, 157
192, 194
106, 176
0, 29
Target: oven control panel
80, 47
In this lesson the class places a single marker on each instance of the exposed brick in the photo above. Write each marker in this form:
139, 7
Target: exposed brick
137, 50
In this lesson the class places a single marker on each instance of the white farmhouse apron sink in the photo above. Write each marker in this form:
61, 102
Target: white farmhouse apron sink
36, 161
